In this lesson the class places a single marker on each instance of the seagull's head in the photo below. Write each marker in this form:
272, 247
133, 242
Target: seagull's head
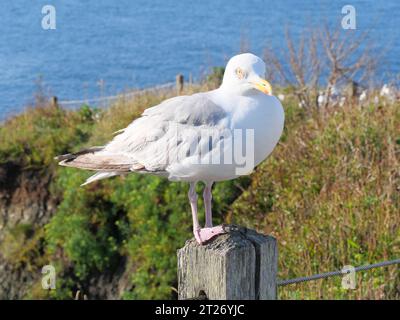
244, 75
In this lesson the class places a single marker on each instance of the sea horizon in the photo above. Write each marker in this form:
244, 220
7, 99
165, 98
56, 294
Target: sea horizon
101, 49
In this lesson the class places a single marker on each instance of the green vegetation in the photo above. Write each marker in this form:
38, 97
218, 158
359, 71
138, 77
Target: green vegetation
329, 193
33, 138
216, 76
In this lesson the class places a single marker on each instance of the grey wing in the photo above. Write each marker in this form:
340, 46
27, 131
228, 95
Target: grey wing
194, 110
165, 132
159, 138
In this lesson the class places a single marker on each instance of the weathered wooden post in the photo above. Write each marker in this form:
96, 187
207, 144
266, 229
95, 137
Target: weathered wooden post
179, 83
54, 102
241, 264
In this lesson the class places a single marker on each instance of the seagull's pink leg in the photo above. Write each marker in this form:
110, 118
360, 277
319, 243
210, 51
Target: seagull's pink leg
209, 231
207, 196
193, 204
205, 234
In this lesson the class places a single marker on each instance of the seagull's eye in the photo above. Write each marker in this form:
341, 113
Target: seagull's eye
240, 73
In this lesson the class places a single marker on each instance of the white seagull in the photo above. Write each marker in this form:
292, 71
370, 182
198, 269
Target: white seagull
196, 138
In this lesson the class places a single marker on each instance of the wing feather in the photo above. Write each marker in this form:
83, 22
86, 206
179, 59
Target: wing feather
168, 130
157, 139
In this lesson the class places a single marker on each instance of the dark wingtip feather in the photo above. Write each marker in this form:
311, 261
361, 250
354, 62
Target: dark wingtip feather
71, 156
64, 157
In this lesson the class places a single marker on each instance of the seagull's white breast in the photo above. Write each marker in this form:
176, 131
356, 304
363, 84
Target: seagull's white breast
264, 114
259, 113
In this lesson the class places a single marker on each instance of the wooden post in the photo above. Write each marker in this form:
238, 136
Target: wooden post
352, 89
241, 264
179, 83
54, 102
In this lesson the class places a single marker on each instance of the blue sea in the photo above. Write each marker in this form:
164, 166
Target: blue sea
104, 47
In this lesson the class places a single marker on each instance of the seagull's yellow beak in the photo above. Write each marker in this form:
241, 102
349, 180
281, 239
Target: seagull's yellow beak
262, 85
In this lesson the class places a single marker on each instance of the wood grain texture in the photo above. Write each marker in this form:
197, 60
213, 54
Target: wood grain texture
241, 264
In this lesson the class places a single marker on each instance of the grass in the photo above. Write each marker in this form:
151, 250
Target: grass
33, 138
329, 193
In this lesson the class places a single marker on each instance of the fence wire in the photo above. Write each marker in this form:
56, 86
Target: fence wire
109, 99
337, 273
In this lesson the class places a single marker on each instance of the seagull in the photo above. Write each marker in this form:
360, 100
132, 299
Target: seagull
321, 99
385, 91
196, 138
388, 93
342, 101
363, 96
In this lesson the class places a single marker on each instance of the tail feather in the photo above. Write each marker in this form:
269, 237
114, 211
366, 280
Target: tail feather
99, 176
72, 156
106, 164
94, 159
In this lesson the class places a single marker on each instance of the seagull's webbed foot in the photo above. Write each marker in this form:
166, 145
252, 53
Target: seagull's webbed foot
205, 234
